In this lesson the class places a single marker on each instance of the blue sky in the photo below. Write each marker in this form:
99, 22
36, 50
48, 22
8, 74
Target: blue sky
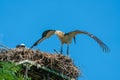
23, 21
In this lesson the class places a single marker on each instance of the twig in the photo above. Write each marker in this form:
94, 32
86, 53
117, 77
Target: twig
4, 46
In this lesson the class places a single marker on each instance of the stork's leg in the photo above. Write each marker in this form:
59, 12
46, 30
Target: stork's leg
61, 51
68, 50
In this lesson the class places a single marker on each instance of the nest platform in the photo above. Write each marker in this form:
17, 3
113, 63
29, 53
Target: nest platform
43, 65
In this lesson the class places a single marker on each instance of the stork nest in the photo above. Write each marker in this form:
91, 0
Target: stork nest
56, 62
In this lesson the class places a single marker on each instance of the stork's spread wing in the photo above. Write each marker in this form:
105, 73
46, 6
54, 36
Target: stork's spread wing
102, 44
37, 42
46, 34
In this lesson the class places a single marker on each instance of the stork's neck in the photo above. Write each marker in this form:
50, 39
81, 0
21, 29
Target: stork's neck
61, 38
60, 34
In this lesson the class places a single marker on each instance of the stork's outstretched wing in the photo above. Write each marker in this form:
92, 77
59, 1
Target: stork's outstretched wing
46, 34
104, 47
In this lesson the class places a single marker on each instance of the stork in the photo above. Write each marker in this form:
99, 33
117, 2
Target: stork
66, 38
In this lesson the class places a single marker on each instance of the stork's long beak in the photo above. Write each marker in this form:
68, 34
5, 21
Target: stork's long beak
74, 39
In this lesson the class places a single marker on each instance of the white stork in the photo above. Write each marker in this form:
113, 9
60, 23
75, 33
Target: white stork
66, 38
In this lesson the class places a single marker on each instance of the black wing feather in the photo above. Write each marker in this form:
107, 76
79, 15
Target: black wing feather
104, 47
44, 36
102, 44
37, 42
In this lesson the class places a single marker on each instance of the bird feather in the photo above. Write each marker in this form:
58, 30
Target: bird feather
46, 34
102, 44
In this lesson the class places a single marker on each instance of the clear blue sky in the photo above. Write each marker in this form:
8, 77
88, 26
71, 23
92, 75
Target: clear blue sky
23, 21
